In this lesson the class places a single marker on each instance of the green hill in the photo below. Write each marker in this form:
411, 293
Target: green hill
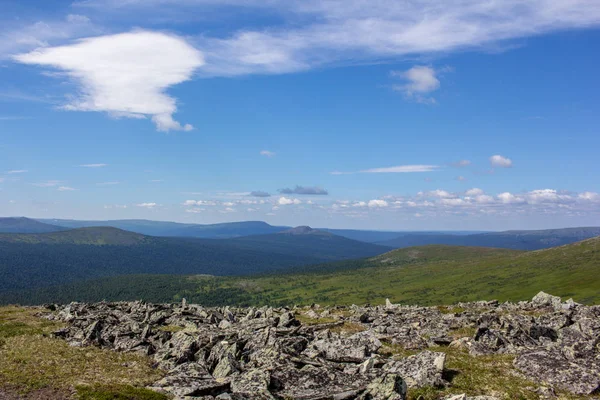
26, 225
426, 275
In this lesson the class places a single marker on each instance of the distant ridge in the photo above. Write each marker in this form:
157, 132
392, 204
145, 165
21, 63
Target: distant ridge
26, 225
102, 235
516, 240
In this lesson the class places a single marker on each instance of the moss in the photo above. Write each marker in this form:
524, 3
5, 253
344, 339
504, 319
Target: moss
450, 309
394, 350
117, 392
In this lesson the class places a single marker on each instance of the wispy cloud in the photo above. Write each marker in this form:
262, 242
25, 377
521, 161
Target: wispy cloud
108, 183
401, 169
461, 163
65, 189
146, 205
500, 161
267, 153
50, 183
125, 75
93, 165
17, 171
309, 190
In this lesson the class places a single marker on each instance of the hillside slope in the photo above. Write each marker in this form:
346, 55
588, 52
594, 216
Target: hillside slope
176, 229
26, 225
517, 240
422, 275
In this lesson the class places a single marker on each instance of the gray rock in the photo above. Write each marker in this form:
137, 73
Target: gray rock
420, 370
546, 300
554, 369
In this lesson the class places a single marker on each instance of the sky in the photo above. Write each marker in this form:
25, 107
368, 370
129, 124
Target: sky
381, 114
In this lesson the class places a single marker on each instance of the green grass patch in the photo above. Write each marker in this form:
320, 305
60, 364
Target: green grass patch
32, 360
117, 392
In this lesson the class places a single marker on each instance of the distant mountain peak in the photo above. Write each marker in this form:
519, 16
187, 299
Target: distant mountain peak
301, 230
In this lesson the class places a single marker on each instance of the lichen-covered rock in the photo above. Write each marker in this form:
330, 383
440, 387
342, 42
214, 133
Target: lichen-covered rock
386, 387
420, 370
546, 300
554, 369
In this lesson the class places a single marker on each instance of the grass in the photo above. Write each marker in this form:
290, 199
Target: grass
116, 392
32, 360
481, 376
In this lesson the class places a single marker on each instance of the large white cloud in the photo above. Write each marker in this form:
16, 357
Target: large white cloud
125, 75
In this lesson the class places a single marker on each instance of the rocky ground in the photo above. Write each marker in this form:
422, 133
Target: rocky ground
384, 352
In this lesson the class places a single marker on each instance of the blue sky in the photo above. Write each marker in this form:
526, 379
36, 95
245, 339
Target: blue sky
374, 115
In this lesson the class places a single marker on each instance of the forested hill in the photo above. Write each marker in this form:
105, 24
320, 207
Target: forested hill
32, 260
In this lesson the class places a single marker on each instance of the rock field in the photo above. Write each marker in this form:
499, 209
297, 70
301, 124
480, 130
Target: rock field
336, 352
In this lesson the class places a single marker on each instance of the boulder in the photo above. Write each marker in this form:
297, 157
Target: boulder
420, 370
543, 299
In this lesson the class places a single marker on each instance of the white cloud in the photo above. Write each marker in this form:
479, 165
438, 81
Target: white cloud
590, 196
509, 198
442, 194
500, 161
267, 153
200, 203
17, 171
377, 203
461, 178
195, 210
474, 192
50, 183
146, 205
108, 183
420, 80
284, 201
125, 75
547, 195
93, 165
65, 189
402, 169
484, 199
